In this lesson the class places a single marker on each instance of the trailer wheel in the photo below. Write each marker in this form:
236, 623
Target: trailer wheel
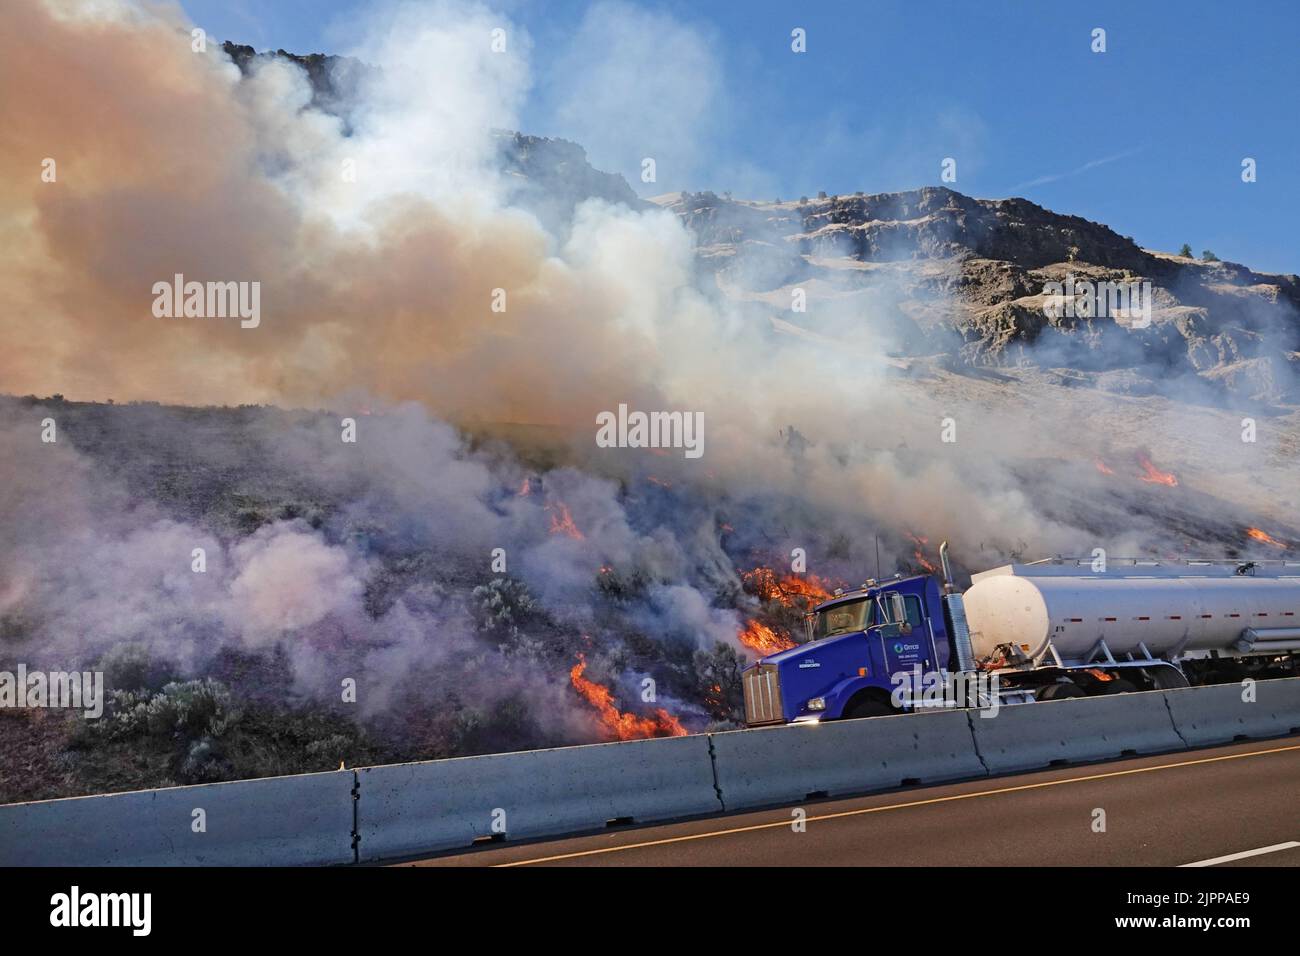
1167, 677
1117, 685
1060, 691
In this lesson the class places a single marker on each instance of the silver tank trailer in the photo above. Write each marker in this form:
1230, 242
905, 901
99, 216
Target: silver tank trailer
1173, 610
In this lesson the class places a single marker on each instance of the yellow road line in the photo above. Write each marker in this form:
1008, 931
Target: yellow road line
897, 806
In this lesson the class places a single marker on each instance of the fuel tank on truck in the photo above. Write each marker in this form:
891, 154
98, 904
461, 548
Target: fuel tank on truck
1171, 609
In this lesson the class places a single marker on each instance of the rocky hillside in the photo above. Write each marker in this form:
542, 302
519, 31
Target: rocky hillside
551, 175
334, 79
941, 275
969, 276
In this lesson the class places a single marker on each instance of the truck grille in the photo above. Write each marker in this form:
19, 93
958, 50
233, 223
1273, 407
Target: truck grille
763, 696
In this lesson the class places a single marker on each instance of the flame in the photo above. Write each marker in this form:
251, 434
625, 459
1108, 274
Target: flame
762, 640
562, 521
919, 553
1104, 468
658, 481
622, 726
525, 489
1265, 537
786, 590
1154, 475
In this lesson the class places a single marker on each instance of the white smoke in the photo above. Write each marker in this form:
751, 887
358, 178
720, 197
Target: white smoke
380, 237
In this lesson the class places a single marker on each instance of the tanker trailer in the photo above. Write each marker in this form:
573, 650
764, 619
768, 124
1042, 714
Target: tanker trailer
1046, 630
1066, 630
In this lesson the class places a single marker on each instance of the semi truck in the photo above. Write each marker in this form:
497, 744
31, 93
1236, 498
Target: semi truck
1044, 630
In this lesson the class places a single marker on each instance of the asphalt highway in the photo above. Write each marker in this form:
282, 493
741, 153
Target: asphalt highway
1240, 802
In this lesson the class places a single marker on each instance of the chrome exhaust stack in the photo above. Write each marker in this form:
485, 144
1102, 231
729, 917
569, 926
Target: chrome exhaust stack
956, 613
947, 568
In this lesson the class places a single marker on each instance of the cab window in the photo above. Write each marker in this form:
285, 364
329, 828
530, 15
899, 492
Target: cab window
841, 619
912, 605
914, 615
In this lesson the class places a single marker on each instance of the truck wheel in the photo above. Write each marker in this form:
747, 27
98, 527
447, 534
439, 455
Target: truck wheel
1117, 685
1060, 692
868, 707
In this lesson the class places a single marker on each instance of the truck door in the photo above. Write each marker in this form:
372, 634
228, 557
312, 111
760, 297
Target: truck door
904, 653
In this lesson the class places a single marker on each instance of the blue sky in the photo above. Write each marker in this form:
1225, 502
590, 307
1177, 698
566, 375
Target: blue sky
1147, 137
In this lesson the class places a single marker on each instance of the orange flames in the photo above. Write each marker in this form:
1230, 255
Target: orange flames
786, 590
762, 640
1150, 473
1265, 537
919, 553
620, 725
792, 591
562, 521
1154, 475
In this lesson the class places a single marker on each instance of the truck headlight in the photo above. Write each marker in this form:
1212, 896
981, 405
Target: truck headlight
817, 703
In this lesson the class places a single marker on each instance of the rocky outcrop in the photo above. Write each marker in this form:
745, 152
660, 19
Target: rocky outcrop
979, 271
334, 79
550, 176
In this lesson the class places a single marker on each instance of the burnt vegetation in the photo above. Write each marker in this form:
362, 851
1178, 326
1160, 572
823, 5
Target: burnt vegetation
450, 657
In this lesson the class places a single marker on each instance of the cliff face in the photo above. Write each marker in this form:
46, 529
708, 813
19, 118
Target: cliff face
550, 176
943, 275
334, 79
553, 177
970, 278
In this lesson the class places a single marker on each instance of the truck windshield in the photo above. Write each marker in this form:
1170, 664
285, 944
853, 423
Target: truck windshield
841, 619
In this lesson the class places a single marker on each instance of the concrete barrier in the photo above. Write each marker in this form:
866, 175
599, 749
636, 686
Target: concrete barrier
773, 765
277, 821
406, 809
1032, 736
444, 804
1215, 715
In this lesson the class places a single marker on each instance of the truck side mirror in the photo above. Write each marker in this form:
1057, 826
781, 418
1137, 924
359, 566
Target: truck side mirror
897, 609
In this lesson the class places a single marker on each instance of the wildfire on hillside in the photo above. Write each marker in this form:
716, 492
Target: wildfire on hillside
787, 590
763, 640
918, 554
618, 724
1265, 537
1153, 475
562, 521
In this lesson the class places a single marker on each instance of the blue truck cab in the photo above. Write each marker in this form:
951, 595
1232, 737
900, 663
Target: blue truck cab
858, 640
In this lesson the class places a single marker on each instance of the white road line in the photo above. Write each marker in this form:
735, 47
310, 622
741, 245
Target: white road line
900, 806
1245, 853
